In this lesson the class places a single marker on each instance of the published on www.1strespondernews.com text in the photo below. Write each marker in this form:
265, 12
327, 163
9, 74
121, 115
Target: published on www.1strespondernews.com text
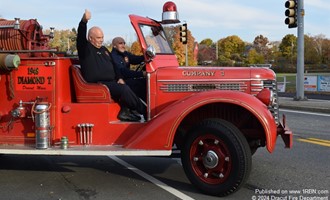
283, 194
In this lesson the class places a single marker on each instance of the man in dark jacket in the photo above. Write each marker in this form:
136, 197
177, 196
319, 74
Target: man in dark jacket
97, 66
123, 60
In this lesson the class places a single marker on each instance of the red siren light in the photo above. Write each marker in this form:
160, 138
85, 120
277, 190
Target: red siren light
169, 6
170, 14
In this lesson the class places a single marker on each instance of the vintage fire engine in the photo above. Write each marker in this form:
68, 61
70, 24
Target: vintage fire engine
216, 116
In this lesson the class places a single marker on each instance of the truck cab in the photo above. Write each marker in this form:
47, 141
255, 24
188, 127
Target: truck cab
216, 116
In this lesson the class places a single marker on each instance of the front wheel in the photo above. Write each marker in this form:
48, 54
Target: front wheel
216, 157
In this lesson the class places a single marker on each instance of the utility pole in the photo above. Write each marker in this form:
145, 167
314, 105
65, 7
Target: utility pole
295, 18
186, 54
300, 56
216, 51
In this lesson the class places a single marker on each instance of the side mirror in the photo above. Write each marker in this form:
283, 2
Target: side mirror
151, 53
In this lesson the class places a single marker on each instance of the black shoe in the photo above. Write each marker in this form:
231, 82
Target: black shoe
126, 115
141, 116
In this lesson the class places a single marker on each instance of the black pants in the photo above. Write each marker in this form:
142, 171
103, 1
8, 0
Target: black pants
123, 94
138, 86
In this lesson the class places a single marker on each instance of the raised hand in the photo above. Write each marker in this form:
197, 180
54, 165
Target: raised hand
87, 16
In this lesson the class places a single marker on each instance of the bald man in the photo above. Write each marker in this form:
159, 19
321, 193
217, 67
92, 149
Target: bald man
97, 67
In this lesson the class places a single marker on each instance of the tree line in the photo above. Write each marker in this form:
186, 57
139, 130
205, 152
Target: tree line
282, 55
229, 51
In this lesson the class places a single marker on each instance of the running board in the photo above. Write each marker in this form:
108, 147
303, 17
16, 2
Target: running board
88, 150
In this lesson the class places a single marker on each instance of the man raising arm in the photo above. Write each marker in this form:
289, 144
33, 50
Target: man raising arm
97, 66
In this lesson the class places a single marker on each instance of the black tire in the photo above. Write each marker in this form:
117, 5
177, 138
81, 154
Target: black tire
216, 157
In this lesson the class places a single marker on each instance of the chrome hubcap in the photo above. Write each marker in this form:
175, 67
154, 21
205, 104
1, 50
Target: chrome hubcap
210, 160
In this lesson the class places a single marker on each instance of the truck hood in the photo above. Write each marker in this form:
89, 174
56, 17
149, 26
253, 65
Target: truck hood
212, 73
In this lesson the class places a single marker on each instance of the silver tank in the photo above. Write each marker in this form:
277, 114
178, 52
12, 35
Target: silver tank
42, 126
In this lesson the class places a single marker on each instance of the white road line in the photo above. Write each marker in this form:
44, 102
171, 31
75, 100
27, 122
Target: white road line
305, 112
157, 182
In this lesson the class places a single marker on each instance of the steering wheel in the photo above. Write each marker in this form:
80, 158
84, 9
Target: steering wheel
141, 67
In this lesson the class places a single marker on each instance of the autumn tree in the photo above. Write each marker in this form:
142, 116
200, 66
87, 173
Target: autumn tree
179, 48
317, 52
310, 51
136, 48
64, 40
254, 57
207, 42
231, 50
260, 44
321, 45
326, 53
288, 47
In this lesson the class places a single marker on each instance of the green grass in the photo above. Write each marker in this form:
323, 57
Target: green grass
290, 81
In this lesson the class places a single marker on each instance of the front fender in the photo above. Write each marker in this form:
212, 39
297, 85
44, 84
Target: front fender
159, 132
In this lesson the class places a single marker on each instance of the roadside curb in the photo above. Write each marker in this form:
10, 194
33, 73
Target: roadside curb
309, 109
312, 105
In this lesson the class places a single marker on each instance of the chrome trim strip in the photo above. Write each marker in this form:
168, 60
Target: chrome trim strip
84, 151
257, 84
148, 97
256, 90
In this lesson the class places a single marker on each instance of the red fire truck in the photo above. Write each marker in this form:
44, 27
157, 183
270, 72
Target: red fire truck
216, 116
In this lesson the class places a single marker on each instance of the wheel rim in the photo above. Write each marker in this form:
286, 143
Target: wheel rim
210, 159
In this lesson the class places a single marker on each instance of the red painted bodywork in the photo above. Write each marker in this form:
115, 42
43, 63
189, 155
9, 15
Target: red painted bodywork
50, 79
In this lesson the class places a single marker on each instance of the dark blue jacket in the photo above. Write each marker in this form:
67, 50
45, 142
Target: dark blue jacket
123, 66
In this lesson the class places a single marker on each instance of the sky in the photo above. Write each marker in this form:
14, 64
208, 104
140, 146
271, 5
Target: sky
214, 19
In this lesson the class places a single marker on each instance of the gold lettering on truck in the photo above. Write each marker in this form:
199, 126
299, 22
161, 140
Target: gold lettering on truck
198, 73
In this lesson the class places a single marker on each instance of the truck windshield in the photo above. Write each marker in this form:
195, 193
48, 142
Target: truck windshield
155, 36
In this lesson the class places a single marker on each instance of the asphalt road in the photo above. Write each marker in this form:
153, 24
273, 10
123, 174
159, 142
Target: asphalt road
294, 173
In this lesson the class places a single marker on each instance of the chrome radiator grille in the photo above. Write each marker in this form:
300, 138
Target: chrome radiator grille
258, 85
274, 107
198, 87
